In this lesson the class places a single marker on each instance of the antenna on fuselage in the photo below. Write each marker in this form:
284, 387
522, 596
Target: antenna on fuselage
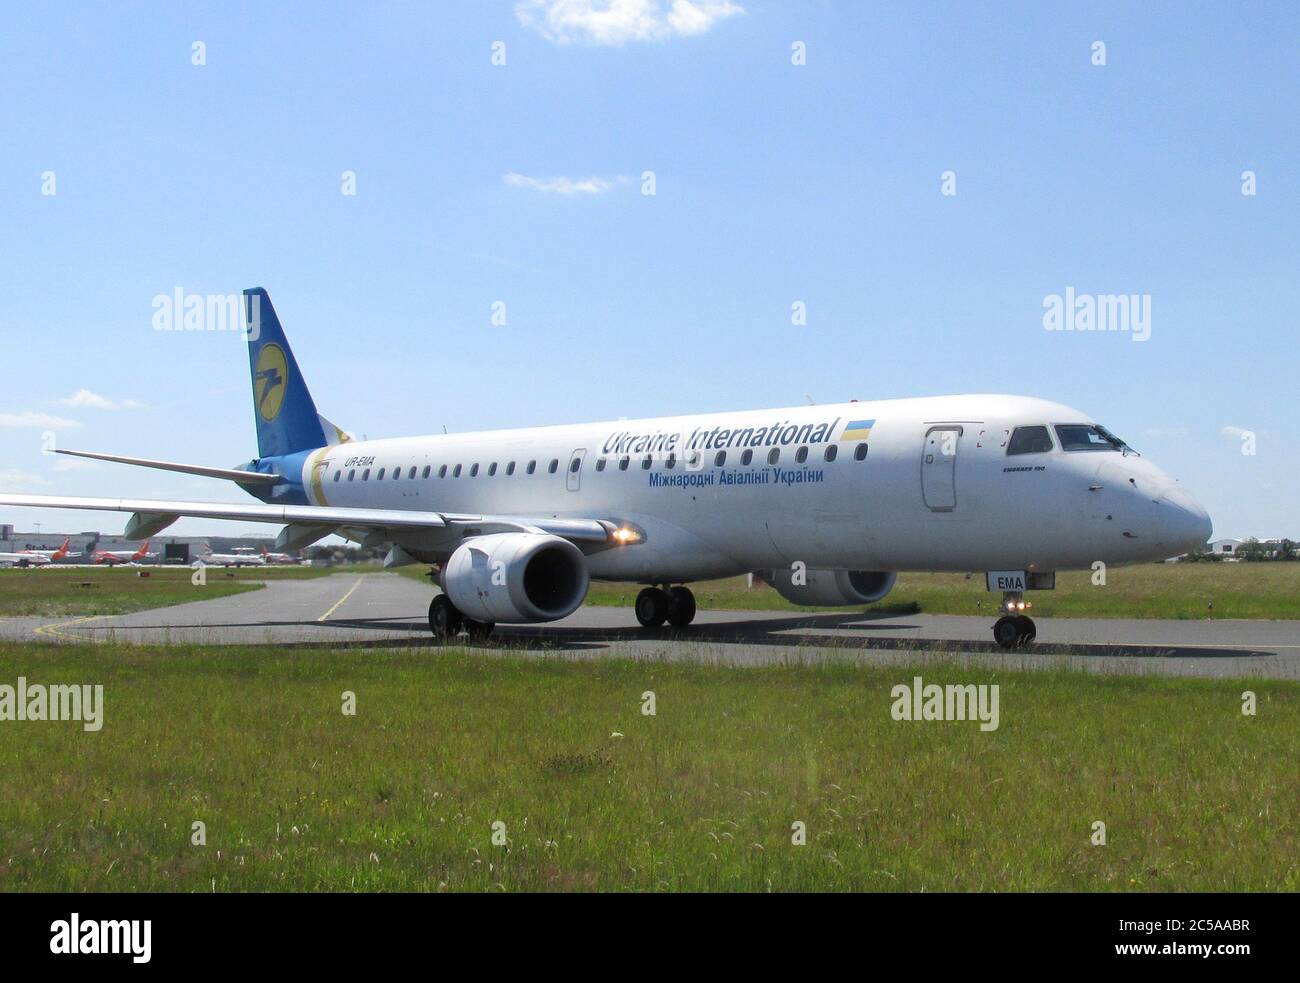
811, 401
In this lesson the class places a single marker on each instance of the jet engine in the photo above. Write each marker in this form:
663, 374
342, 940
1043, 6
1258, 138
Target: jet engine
831, 588
516, 577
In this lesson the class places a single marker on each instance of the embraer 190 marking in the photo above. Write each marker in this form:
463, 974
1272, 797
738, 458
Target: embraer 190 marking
826, 503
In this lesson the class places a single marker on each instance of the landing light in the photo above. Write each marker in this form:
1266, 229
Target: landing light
626, 537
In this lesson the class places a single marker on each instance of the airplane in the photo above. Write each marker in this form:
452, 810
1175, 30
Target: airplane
236, 559
24, 559
279, 559
827, 503
53, 555
113, 557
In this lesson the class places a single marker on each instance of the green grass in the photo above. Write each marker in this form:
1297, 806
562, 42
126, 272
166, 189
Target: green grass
297, 796
1159, 590
57, 592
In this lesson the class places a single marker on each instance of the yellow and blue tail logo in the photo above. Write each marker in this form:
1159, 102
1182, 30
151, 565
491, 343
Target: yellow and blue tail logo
269, 376
857, 430
287, 422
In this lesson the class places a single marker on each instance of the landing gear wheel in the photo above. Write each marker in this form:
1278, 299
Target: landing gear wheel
1006, 631
478, 630
681, 607
651, 607
1028, 631
444, 620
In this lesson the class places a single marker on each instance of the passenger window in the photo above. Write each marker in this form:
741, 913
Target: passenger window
473, 470
397, 473
574, 465
670, 461
442, 471
746, 457
532, 466
719, 459
600, 464
378, 477
411, 474
774, 455
1029, 440
492, 470
831, 453
338, 475
352, 474
510, 469
554, 465
860, 452
645, 462
365, 475
427, 469
623, 462
456, 471
801, 455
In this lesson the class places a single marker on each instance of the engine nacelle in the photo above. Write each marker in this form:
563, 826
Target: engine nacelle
516, 577
831, 588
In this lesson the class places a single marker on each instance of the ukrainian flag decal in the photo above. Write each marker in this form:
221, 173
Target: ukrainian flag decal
857, 430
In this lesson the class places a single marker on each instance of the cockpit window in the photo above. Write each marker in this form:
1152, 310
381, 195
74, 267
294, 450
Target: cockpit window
1029, 440
1089, 437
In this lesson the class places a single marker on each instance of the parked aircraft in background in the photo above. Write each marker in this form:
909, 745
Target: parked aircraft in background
113, 557
279, 559
23, 559
239, 558
53, 555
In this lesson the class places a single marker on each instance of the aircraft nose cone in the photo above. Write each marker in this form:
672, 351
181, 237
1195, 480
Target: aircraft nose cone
1187, 525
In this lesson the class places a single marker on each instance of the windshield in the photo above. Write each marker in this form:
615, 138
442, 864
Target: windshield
1089, 437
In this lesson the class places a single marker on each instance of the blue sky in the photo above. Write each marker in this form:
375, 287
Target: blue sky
774, 183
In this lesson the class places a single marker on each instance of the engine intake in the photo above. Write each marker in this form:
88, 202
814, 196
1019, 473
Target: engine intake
831, 588
516, 577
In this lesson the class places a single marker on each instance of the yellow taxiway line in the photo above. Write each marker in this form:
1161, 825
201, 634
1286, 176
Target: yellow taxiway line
338, 604
52, 630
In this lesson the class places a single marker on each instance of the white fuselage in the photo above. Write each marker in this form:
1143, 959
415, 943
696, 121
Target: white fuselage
935, 489
24, 559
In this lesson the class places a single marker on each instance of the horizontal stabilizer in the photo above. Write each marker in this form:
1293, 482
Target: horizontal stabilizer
230, 474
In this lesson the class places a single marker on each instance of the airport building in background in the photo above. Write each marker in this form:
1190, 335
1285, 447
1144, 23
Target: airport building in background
180, 550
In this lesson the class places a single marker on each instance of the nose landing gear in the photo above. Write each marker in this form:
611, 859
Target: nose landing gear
1014, 630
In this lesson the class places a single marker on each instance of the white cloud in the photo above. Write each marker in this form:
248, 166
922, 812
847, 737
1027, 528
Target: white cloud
615, 22
76, 464
40, 421
1234, 433
565, 186
12, 480
85, 399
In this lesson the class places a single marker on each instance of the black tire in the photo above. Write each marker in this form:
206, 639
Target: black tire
1028, 631
445, 620
478, 630
651, 607
681, 607
1006, 631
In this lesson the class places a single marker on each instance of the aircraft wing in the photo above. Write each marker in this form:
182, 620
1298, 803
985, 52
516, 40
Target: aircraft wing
152, 515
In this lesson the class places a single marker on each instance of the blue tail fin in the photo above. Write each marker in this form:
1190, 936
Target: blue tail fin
286, 416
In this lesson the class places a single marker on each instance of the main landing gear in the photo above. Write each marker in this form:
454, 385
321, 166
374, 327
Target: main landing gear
446, 621
1014, 630
654, 606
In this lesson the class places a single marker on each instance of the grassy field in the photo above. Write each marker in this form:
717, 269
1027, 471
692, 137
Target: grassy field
75, 591
1159, 590
702, 796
